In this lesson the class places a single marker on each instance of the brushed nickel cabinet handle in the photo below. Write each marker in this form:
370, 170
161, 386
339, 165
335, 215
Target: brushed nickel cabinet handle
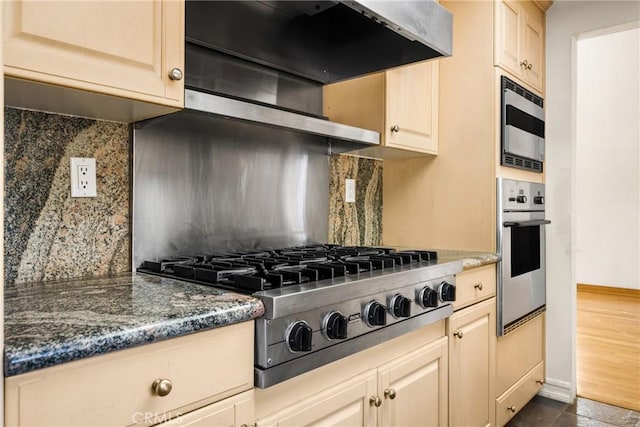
478, 286
524, 63
512, 408
375, 401
540, 381
395, 128
390, 393
176, 74
162, 386
530, 66
458, 333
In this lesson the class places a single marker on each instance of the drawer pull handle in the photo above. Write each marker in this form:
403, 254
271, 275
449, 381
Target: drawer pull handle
540, 382
524, 63
478, 286
162, 387
395, 128
390, 393
375, 401
512, 409
458, 333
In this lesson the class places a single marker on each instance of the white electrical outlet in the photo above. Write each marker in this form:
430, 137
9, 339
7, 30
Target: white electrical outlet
83, 177
350, 190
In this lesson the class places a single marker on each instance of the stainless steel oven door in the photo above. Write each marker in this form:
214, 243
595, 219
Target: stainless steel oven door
521, 277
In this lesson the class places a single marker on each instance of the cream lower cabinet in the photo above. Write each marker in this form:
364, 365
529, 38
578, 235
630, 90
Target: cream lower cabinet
111, 50
234, 411
519, 368
472, 337
471, 354
410, 390
345, 404
401, 104
120, 388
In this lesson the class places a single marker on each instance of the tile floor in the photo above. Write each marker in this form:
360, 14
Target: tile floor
542, 412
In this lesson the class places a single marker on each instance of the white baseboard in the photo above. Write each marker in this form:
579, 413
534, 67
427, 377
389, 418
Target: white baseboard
557, 390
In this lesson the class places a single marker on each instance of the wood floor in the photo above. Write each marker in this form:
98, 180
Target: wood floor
608, 345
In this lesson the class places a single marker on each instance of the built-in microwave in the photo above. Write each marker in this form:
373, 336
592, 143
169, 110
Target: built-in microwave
522, 127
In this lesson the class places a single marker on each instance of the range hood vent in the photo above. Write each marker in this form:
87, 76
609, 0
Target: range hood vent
323, 41
226, 107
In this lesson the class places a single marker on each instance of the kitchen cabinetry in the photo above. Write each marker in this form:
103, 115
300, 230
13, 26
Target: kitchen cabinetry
400, 382
472, 335
234, 411
519, 368
401, 104
519, 40
113, 60
146, 384
517, 396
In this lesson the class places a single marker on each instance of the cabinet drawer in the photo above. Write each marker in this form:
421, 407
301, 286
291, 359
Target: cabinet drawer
116, 388
517, 396
475, 285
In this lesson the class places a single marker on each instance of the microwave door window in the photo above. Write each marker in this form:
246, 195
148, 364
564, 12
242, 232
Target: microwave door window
521, 120
525, 249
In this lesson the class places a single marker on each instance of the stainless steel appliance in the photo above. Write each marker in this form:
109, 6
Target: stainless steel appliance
265, 62
245, 167
522, 127
324, 302
521, 225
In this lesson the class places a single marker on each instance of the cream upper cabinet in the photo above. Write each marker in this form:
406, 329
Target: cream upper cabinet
401, 104
519, 40
132, 50
471, 334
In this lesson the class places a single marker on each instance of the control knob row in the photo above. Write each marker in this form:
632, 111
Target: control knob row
299, 334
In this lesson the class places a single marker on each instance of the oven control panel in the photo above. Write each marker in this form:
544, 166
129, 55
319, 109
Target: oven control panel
521, 195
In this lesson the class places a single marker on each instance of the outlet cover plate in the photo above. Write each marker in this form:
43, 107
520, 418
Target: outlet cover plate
350, 190
83, 177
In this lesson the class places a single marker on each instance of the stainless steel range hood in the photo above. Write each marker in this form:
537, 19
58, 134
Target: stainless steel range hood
274, 117
265, 62
324, 41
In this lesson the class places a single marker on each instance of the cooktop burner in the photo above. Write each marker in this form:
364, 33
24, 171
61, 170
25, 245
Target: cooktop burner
275, 268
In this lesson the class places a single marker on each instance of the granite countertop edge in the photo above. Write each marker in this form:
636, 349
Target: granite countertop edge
470, 259
84, 336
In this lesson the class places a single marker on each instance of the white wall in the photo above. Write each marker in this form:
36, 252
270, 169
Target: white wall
607, 182
565, 21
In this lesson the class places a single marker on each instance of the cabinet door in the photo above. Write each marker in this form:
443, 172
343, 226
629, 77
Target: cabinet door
412, 107
231, 412
471, 354
121, 48
533, 47
507, 35
413, 388
345, 404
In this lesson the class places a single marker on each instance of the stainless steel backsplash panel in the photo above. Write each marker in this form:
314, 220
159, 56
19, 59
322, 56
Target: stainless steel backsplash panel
203, 184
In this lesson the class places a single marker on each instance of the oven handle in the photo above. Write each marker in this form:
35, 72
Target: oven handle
526, 223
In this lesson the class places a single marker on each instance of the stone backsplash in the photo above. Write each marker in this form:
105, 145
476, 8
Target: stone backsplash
51, 236
48, 234
358, 223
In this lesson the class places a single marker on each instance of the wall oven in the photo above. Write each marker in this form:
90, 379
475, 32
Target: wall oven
522, 127
521, 245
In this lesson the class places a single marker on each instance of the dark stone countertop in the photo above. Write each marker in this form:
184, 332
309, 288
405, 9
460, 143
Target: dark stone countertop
50, 323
